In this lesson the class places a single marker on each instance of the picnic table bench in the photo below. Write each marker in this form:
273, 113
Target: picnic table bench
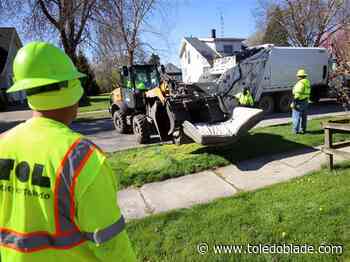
331, 149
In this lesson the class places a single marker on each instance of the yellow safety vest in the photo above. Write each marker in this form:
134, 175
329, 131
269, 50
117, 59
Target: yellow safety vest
141, 86
302, 89
57, 198
245, 100
128, 84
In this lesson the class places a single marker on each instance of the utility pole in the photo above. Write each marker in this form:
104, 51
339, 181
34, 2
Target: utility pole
222, 24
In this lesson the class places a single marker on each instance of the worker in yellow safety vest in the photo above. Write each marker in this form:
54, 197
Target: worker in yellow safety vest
301, 97
139, 85
245, 98
57, 191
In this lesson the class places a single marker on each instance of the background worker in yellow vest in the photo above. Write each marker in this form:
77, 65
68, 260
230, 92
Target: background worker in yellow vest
245, 98
301, 95
57, 190
140, 82
139, 85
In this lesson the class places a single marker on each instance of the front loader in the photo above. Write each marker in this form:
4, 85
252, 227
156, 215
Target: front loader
148, 102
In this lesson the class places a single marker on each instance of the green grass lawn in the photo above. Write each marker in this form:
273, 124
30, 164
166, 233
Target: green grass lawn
96, 103
160, 162
312, 210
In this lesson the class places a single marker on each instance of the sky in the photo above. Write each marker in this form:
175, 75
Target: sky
196, 18
185, 18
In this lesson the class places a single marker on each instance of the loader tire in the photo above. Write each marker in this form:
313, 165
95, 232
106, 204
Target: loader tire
119, 121
141, 128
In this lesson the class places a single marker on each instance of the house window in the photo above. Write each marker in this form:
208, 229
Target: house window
188, 57
228, 49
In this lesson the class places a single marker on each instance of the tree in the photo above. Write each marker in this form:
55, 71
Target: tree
256, 38
154, 59
70, 20
275, 33
341, 48
126, 18
89, 83
307, 21
107, 76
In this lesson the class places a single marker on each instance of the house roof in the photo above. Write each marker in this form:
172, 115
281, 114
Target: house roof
171, 68
222, 39
208, 53
200, 45
7, 33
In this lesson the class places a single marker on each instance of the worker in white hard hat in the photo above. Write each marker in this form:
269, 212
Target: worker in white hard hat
301, 97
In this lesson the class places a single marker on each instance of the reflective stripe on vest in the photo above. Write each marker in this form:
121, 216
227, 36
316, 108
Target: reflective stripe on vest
67, 234
106, 234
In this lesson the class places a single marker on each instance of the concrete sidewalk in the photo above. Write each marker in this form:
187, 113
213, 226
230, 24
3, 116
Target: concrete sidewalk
204, 187
287, 120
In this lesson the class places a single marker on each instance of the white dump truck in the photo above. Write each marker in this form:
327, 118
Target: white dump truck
270, 72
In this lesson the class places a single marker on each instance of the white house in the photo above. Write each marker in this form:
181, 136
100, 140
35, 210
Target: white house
10, 43
197, 55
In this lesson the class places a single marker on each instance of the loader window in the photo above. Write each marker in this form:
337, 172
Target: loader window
154, 79
149, 77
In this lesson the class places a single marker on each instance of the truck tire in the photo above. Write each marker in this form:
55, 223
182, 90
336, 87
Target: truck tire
141, 128
283, 102
315, 95
267, 104
119, 121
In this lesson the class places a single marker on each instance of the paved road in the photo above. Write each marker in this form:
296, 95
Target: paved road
325, 108
103, 134
102, 131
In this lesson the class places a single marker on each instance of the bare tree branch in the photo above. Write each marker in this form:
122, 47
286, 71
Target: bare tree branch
307, 22
125, 20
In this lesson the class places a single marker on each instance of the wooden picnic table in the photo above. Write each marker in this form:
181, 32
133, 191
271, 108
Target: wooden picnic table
330, 148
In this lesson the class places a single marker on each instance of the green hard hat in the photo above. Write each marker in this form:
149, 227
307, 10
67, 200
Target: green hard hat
40, 64
68, 95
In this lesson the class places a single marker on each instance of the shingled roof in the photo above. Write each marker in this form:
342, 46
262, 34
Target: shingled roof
171, 68
208, 53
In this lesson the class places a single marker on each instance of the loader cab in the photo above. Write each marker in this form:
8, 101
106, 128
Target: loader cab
138, 79
141, 77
